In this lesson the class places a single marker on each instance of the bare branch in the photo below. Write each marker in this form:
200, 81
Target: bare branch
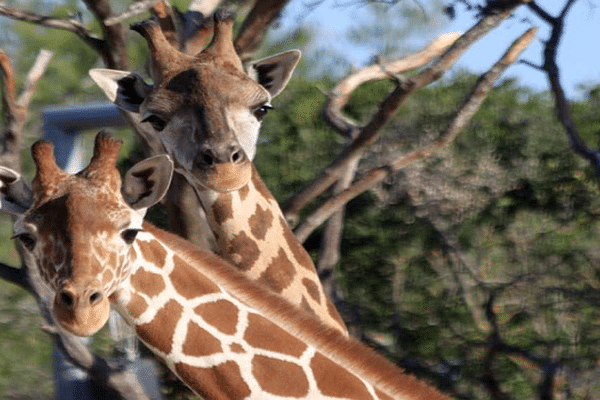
253, 29
16, 111
562, 108
332, 111
133, 10
370, 132
34, 75
113, 48
463, 116
55, 23
329, 251
18, 276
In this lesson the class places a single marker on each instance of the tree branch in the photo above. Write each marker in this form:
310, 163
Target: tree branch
339, 96
562, 109
135, 9
18, 276
33, 76
113, 48
463, 116
16, 110
253, 29
369, 132
54, 23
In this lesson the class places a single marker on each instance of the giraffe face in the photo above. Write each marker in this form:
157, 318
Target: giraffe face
79, 242
78, 229
208, 120
205, 109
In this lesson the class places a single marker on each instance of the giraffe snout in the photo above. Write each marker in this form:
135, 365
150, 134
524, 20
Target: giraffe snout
222, 169
209, 157
81, 309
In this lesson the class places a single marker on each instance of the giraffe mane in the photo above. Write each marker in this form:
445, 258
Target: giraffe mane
349, 353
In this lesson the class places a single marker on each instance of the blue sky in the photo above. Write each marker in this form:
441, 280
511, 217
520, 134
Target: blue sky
578, 57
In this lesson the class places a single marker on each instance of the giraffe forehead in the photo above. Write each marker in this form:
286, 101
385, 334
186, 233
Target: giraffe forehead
78, 215
207, 86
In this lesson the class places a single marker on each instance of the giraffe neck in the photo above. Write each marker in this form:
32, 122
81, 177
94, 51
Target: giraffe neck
253, 235
228, 338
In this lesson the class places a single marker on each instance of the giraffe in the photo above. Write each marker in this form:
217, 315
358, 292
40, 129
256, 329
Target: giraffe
206, 111
224, 335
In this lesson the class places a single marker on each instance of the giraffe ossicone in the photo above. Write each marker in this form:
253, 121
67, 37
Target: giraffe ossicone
206, 110
225, 336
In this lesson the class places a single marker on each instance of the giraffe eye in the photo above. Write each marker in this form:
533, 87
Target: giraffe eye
261, 111
129, 235
157, 123
27, 240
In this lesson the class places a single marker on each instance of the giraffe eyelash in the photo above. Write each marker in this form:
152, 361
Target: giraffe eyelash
26, 239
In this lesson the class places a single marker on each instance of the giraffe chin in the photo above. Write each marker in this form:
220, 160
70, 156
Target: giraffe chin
225, 177
82, 321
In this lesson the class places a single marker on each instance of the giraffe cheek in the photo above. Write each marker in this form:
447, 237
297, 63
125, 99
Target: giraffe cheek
81, 320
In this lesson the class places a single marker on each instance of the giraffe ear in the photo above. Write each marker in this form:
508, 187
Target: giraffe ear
15, 195
274, 72
147, 182
126, 89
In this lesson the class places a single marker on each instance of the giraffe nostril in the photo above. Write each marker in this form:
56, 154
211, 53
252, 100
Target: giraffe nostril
95, 298
207, 158
67, 298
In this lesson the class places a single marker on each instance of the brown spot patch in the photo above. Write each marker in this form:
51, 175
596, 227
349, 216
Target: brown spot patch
246, 248
260, 222
312, 289
223, 381
222, 208
279, 377
153, 252
221, 314
243, 192
159, 332
198, 342
236, 348
300, 253
306, 307
137, 305
334, 380
279, 274
147, 282
190, 286
264, 334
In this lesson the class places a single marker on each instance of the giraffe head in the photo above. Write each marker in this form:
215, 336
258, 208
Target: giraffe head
77, 229
205, 108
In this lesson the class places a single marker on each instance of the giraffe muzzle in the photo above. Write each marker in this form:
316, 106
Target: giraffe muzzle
222, 170
81, 309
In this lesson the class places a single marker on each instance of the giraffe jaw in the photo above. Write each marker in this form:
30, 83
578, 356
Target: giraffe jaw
223, 177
